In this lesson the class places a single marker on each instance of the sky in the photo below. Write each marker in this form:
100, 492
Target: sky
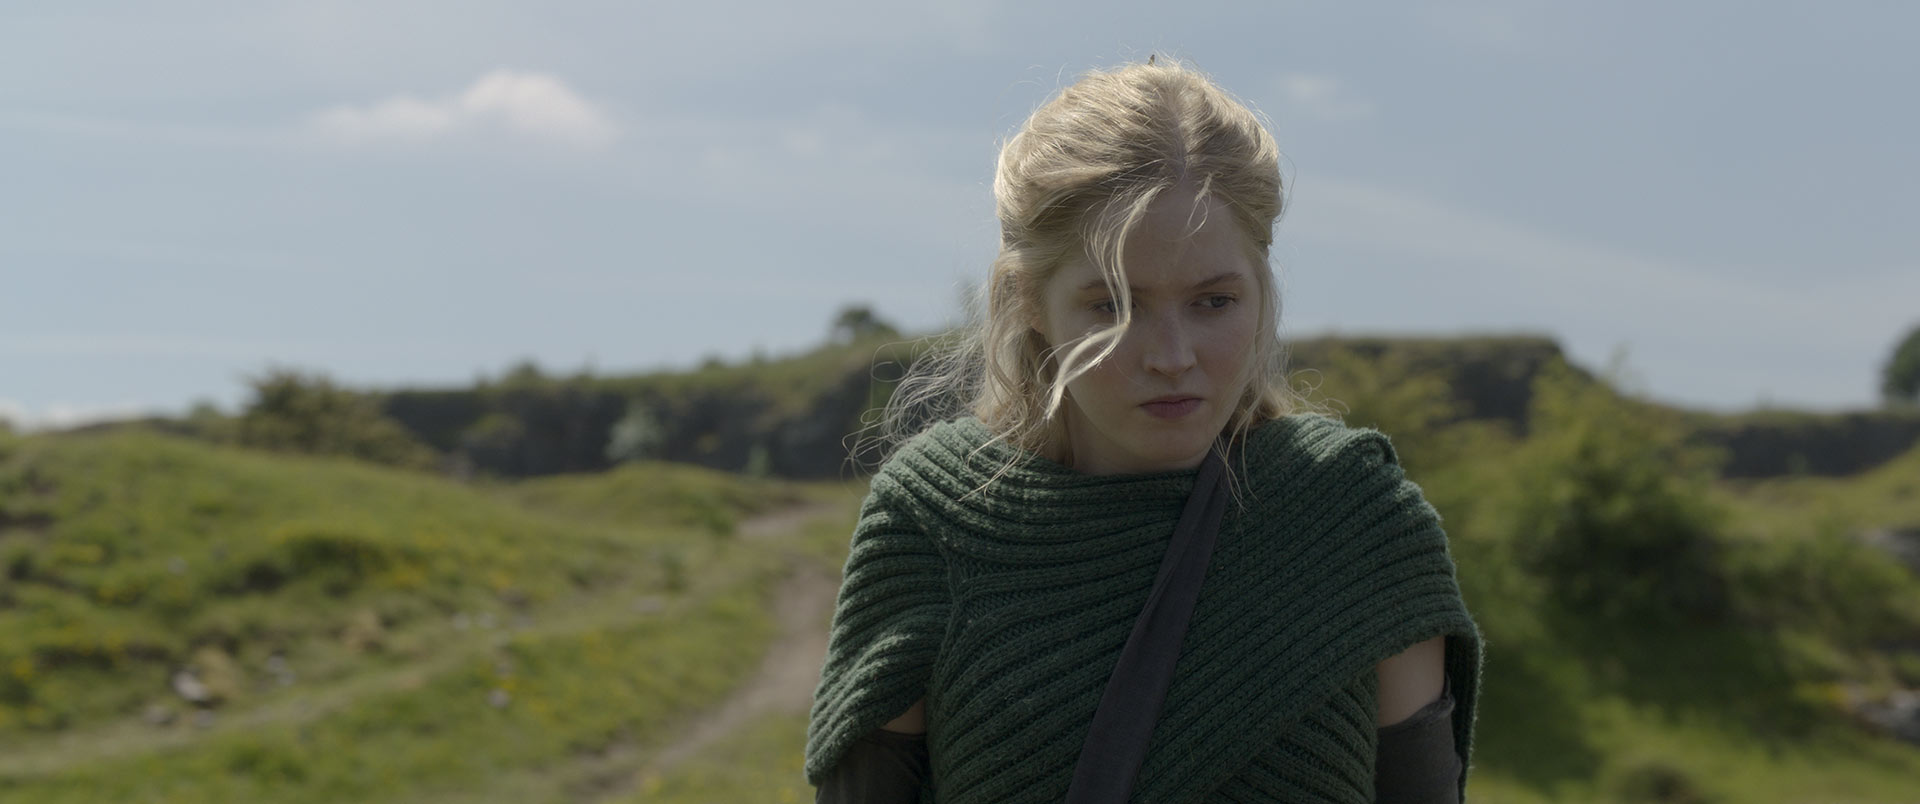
1718, 194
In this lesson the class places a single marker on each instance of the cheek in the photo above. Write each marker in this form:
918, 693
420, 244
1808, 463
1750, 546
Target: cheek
1231, 344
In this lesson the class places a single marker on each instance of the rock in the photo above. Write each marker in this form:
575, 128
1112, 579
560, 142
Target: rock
499, 698
1897, 714
277, 667
158, 714
1901, 543
203, 718
190, 688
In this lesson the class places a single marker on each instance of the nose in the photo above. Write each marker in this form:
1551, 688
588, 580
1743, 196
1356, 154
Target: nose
1166, 345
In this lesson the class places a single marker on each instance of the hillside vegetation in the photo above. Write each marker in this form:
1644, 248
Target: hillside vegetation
806, 415
186, 621
182, 622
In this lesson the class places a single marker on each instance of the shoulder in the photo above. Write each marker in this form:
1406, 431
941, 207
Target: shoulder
935, 446
1303, 443
1339, 467
930, 466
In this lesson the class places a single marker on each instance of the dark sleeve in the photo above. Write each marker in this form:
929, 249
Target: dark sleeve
1417, 763
881, 767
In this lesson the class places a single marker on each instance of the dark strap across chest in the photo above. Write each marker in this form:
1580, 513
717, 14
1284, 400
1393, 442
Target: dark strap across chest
1117, 741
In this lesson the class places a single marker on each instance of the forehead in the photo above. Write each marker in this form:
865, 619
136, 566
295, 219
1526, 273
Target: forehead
1176, 244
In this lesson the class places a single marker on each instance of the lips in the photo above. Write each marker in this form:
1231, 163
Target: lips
1171, 407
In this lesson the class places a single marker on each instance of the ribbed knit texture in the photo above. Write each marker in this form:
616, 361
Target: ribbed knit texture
1007, 610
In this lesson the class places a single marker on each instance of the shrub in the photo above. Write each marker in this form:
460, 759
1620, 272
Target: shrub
292, 412
1610, 506
1389, 394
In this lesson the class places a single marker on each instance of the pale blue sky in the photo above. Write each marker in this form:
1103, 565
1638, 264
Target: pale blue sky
418, 193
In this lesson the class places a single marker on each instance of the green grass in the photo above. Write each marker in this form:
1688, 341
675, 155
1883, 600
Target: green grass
568, 692
761, 763
129, 552
597, 605
653, 492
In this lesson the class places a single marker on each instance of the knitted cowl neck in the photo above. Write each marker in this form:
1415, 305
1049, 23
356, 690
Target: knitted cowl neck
1007, 607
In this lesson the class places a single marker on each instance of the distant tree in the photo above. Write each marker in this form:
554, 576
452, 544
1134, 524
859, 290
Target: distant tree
493, 439
524, 373
1900, 377
858, 321
294, 412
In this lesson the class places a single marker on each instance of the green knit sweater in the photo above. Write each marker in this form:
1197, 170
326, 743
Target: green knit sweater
1007, 609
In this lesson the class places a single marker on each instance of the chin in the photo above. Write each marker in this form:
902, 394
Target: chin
1175, 448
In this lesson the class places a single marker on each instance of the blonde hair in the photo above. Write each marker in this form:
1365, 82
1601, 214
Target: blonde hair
1075, 180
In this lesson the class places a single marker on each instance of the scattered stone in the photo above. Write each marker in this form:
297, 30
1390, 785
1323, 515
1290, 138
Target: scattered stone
203, 718
1901, 543
486, 620
503, 668
277, 667
158, 714
177, 565
460, 622
499, 698
649, 604
1899, 714
189, 687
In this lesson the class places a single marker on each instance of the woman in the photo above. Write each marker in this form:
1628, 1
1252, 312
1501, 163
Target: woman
1003, 553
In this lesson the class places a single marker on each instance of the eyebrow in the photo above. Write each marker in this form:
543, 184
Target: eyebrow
1208, 282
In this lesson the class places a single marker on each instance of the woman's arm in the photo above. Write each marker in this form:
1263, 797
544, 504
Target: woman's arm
1416, 761
885, 766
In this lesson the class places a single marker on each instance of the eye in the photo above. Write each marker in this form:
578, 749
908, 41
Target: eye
1104, 307
1218, 302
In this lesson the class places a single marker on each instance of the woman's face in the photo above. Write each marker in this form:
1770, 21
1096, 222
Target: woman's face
1195, 300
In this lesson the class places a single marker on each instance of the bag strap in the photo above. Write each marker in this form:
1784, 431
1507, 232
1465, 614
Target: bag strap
1117, 741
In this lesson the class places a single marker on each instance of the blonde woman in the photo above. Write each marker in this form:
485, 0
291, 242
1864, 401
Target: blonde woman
1009, 542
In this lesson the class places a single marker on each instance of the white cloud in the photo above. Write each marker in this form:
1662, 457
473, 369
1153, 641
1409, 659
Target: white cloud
1321, 97
534, 105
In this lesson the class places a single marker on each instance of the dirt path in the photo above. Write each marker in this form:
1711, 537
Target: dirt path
783, 684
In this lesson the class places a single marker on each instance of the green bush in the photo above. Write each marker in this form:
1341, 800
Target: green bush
1827, 583
292, 412
1609, 506
1390, 395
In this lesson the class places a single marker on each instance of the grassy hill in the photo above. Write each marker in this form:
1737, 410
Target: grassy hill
357, 632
